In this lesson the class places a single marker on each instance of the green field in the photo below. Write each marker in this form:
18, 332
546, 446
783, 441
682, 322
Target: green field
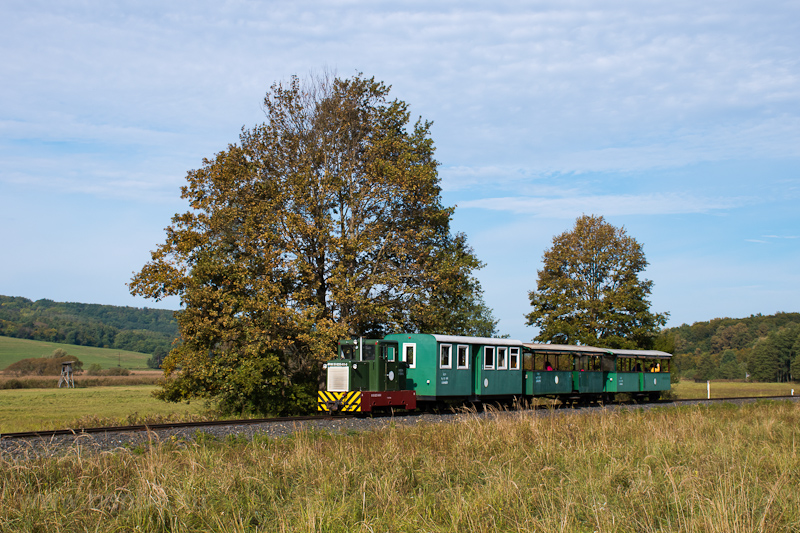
13, 350
41, 409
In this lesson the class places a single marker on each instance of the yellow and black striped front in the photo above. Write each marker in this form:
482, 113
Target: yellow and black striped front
346, 402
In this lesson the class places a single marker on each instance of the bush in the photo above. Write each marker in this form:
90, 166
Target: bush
44, 366
13, 384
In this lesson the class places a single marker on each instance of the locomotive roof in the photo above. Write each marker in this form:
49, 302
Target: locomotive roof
569, 348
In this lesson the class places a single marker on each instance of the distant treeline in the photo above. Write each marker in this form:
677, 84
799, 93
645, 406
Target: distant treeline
149, 331
759, 347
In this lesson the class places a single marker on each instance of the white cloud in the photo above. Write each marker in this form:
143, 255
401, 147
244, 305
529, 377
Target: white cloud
607, 205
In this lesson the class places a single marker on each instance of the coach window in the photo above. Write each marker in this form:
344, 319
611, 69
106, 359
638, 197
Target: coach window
463, 357
513, 358
444, 356
502, 360
527, 361
488, 358
410, 355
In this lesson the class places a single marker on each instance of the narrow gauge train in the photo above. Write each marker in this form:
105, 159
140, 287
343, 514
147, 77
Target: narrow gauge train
414, 371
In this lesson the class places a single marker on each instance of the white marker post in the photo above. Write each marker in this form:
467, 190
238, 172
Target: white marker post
708, 389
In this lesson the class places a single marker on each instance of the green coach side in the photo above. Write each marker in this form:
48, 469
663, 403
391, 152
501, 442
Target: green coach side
453, 366
559, 370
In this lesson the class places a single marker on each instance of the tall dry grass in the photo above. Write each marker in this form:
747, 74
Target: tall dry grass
711, 469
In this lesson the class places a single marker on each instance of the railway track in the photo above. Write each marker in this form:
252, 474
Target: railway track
282, 420
157, 427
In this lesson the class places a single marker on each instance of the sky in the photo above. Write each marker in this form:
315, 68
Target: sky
679, 121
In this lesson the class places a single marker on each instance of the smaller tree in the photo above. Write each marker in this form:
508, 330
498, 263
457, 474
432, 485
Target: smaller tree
589, 291
730, 367
763, 363
706, 368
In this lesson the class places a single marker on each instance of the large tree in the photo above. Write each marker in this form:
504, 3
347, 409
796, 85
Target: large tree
324, 222
589, 291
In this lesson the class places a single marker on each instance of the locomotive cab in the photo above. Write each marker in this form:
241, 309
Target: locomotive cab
367, 375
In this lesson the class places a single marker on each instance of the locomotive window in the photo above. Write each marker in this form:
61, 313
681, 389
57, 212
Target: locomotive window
502, 362
513, 361
346, 352
488, 358
387, 352
409, 355
463, 357
369, 353
444, 356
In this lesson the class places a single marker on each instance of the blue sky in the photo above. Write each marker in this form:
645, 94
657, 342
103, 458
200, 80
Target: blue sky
678, 120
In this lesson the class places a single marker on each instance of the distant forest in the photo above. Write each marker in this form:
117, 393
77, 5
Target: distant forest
150, 331
758, 348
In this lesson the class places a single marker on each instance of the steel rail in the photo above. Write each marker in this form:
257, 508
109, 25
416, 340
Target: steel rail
157, 427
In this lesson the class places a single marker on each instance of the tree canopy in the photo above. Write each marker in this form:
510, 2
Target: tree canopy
589, 290
323, 222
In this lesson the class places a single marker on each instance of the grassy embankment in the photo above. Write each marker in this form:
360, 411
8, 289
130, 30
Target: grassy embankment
695, 468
